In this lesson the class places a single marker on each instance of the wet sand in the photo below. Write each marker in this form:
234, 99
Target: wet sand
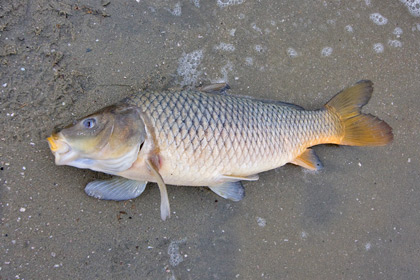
357, 218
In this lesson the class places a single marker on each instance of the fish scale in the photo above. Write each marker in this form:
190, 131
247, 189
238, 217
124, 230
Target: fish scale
202, 136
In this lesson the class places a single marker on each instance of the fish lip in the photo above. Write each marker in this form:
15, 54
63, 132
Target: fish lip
58, 144
61, 149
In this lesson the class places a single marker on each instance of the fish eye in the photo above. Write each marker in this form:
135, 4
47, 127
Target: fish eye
89, 123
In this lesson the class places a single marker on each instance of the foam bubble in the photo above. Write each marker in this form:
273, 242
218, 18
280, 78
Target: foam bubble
378, 19
261, 222
226, 69
259, 48
397, 31
187, 67
225, 47
395, 43
327, 51
226, 3
292, 52
331, 21
378, 47
196, 3
176, 11
256, 28
175, 258
413, 6
349, 28
249, 61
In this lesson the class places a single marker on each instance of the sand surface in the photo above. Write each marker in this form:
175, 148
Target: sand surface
358, 218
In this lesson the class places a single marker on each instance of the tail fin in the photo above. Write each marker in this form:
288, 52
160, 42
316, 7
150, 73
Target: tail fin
359, 129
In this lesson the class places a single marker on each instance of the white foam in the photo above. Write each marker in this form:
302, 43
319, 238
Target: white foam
256, 28
176, 11
349, 28
225, 70
261, 222
196, 3
397, 31
327, 51
225, 47
188, 67
175, 257
378, 47
292, 52
259, 48
395, 43
226, 3
249, 61
331, 21
413, 6
378, 19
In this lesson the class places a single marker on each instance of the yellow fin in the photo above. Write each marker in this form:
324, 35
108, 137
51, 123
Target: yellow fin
359, 129
308, 159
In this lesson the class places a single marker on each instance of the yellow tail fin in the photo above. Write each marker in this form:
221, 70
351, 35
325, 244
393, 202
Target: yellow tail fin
359, 129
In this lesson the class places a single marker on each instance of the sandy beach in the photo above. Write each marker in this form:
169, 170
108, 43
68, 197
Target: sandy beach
357, 218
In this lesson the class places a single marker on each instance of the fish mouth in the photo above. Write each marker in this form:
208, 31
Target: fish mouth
60, 149
57, 144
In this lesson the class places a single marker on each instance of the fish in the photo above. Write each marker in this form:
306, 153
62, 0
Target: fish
207, 137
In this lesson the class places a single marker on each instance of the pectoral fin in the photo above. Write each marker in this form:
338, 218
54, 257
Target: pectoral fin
165, 211
230, 190
117, 188
308, 159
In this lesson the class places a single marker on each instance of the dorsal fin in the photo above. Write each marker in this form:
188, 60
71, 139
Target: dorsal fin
215, 88
294, 106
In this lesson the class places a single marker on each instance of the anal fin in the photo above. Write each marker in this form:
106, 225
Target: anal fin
308, 159
241, 178
117, 188
230, 190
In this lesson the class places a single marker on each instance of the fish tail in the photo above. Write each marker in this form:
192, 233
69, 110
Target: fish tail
358, 129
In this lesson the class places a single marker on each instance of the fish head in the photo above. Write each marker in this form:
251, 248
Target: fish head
107, 141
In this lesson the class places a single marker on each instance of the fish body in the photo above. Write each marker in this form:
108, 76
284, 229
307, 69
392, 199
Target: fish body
203, 138
197, 138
